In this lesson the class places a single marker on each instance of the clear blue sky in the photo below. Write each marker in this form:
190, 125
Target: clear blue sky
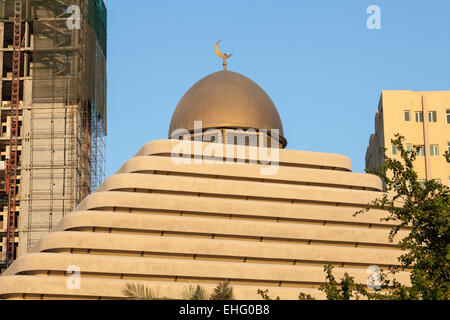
323, 68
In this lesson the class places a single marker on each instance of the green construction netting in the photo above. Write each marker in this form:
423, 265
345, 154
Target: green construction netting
97, 13
98, 20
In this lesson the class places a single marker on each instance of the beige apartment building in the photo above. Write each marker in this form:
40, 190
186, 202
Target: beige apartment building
423, 118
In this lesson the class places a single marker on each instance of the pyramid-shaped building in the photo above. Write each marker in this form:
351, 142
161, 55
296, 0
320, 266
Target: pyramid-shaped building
220, 200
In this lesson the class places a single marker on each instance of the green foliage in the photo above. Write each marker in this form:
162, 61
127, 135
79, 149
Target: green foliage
140, 292
447, 156
222, 291
195, 293
265, 294
343, 290
304, 296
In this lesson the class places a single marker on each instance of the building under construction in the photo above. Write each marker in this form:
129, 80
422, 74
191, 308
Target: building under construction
53, 114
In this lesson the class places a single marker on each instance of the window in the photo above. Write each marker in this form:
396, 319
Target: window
421, 151
434, 150
394, 150
409, 147
432, 116
407, 114
448, 116
448, 147
419, 116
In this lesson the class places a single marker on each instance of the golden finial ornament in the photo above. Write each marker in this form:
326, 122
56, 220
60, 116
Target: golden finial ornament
224, 56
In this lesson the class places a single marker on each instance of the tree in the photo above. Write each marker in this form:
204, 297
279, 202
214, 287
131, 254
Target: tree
424, 207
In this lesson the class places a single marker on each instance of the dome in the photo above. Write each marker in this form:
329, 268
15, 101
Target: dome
226, 99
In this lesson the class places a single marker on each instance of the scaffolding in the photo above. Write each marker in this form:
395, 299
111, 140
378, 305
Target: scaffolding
63, 108
13, 165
